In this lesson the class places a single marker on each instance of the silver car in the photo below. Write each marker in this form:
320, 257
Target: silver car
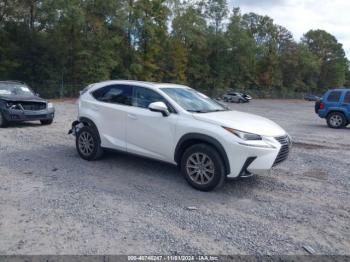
236, 97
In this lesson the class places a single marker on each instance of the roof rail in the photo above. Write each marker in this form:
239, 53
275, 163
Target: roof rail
13, 81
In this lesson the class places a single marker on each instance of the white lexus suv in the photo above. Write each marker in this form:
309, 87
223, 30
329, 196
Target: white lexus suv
179, 125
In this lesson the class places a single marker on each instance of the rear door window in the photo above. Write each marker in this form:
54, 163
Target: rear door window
116, 94
334, 96
347, 98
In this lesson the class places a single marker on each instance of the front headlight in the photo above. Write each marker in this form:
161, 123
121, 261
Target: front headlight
244, 135
49, 105
249, 139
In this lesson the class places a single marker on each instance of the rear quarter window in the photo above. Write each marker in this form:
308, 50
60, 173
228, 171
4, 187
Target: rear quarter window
334, 96
115, 94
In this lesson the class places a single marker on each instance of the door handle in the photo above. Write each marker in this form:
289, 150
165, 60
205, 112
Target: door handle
131, 116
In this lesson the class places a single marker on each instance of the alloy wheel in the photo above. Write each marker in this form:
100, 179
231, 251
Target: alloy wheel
86, 143
200, 168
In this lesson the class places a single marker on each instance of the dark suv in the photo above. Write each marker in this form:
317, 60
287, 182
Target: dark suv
335, 107
19, 103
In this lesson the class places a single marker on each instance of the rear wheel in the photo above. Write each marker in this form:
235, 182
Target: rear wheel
88, 144
3, 121
336, 120
203, 167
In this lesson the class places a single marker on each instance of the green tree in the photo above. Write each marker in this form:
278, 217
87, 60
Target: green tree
190, 28
200, 43
216, 12
331, 56
240, 61
151, 35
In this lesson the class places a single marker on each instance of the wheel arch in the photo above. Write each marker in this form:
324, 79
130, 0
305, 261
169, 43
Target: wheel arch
88, 122
190, 139
336, 111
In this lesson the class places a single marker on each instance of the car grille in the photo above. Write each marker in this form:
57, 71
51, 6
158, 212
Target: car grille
284, 151
33, 106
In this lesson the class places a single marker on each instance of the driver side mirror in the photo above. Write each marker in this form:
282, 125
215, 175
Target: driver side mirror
159, 107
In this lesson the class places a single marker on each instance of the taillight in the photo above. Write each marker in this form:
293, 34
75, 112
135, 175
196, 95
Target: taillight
321, 105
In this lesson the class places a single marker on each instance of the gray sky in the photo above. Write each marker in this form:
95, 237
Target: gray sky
299, 16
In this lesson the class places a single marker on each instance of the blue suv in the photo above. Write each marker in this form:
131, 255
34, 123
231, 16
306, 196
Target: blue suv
335, 107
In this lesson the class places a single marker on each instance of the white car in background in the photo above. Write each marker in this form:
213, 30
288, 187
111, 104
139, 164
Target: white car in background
177, 124
235, 97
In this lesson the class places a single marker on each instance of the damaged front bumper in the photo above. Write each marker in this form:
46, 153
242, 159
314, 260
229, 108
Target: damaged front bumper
17, 115
76, 126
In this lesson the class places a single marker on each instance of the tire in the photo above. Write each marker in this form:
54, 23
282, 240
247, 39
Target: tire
46, 122
192, 167
88, 144
225, 99
3, 121
336, 120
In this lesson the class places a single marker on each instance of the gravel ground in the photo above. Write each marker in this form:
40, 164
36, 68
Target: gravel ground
53, 202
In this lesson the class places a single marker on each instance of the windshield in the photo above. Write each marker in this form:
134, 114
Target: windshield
193, 101
15, 89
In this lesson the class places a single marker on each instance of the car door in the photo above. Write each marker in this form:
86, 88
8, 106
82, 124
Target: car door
346, 104
111, 104
149, 133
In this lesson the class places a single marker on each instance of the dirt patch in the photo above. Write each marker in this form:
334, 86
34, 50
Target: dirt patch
318, 174
53, 202
312, 146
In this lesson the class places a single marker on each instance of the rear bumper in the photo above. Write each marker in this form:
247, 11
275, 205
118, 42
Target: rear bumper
322, 113
15, 115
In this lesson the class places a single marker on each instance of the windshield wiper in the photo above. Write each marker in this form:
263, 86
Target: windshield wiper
218, 110
197, 111
208, 111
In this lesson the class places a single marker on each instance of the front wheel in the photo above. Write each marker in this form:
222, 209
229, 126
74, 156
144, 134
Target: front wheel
203, 167
88, 144
336, 120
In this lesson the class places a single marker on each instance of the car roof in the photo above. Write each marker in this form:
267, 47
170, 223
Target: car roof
339, 89
12, 82
138, 83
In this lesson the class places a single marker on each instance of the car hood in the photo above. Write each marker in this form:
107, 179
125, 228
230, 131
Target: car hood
242, 121
15, 98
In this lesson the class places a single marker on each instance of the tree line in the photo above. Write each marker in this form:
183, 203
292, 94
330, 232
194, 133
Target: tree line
52, 44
